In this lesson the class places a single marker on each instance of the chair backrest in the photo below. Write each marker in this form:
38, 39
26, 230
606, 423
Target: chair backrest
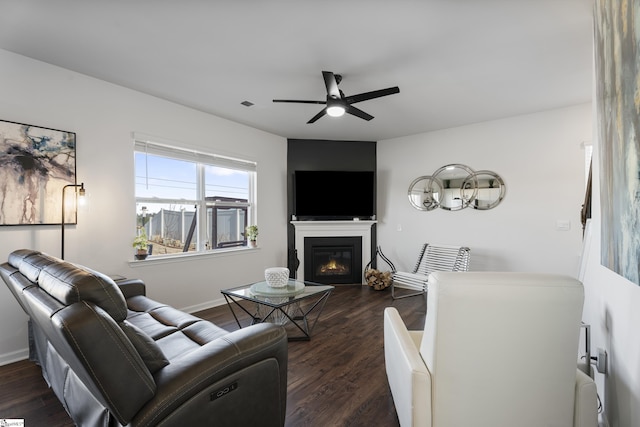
442, 258
501, 348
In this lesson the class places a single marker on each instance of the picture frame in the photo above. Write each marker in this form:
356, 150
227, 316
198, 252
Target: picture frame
36, 163
618, 71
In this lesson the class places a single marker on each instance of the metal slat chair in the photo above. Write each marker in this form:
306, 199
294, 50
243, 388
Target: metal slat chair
432, 258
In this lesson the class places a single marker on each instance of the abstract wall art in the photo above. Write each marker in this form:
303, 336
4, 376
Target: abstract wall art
35, 165
617, 40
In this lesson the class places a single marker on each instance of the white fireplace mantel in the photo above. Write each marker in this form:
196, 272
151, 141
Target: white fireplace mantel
332, 229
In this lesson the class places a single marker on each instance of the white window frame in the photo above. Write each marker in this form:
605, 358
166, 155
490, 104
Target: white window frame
157, 147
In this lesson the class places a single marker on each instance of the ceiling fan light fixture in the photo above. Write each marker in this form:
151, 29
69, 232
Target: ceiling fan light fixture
337, 104
335, 110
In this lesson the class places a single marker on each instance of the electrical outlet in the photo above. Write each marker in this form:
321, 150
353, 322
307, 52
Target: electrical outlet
601, 361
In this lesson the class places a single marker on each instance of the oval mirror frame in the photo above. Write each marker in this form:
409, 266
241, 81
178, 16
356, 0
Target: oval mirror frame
420, 194
490, 190
451, 179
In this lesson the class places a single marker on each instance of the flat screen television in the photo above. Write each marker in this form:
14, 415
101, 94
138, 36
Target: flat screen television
333, 195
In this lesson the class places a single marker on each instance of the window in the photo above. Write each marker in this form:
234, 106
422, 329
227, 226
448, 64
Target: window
188, 201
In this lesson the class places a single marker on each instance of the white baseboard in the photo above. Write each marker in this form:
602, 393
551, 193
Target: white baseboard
14, 356
204, 306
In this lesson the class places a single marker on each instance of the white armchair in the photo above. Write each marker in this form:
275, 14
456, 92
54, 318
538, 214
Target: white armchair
497, 350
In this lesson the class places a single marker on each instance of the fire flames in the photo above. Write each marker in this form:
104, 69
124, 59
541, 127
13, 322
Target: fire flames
333, 268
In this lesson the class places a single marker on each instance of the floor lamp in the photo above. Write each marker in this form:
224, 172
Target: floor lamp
80, 193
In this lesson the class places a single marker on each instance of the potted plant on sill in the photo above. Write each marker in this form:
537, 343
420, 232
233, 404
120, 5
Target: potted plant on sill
252, 235
141, 244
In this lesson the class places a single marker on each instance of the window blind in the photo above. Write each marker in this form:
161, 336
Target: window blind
159, 149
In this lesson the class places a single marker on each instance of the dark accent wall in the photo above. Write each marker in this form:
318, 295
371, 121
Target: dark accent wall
319, 154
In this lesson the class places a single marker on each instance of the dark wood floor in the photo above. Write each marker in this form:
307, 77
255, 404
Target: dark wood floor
336, 379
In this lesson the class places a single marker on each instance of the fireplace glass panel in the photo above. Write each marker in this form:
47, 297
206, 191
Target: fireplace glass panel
333, 260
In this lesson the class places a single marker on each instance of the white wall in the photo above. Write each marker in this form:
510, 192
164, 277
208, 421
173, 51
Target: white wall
541, 160
104, 116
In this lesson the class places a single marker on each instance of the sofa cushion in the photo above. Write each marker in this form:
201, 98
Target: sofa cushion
151, 354
69, 283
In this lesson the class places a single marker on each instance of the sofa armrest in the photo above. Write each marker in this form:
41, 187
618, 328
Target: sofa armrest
586, 401
409, 379
215, 382
131, 287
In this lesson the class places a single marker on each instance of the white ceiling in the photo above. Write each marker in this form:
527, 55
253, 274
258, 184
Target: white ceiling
456, 61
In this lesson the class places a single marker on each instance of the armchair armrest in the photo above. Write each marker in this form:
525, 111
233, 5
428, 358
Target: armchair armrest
409, 378
131, 287
586, 401
215, 382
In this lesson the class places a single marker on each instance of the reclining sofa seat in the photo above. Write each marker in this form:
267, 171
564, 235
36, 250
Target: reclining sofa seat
115, 357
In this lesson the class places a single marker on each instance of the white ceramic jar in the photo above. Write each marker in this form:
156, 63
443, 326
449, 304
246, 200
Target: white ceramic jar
277, 277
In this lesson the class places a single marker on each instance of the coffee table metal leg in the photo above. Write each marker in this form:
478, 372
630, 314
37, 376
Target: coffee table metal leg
277, 315
232, 302
297, 316
307, 328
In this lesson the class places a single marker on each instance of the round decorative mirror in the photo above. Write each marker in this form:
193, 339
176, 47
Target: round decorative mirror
421, 194
457, 185
490, 190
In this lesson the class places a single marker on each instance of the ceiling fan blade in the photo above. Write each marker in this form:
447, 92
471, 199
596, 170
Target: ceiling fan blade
331, 84
317, 116
299, 101
371, 95
358, 113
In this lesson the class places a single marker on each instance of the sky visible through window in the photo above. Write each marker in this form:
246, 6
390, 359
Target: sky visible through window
165, 178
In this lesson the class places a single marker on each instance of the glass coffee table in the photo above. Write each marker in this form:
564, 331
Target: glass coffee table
296, 306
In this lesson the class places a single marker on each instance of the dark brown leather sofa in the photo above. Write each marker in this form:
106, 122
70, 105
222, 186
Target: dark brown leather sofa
115, 357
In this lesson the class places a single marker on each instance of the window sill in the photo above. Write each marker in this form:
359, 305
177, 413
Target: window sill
174, 258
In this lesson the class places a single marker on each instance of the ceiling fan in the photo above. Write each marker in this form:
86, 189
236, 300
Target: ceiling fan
337, 103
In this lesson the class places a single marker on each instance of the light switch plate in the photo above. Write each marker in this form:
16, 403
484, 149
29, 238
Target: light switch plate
601, 361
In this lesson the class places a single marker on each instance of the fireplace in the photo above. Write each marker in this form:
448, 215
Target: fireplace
350, 229
333, 260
